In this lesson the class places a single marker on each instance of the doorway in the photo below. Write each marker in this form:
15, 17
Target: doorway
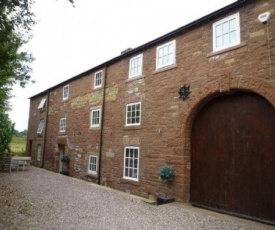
61, 150
233, 157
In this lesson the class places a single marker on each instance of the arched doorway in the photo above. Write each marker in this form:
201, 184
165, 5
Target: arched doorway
233, 156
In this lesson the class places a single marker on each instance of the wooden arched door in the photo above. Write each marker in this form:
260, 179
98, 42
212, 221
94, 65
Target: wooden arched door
233, 156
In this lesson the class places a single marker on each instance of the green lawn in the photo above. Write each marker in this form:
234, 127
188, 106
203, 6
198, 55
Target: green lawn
18, 145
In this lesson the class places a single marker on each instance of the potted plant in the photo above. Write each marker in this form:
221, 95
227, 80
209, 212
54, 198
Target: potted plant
65, 159
166, 174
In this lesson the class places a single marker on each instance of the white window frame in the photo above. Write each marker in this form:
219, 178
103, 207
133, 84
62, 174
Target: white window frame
40, 126
42, 103
166, 61
92, 164
131, 169
238, 33
66, 91
135, 66
127, 112
39, 152
62, 124
98, 79
95, 125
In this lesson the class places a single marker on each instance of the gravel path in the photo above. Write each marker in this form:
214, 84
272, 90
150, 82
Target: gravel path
40, 199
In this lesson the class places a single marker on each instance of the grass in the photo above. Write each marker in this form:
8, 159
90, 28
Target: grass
18, 145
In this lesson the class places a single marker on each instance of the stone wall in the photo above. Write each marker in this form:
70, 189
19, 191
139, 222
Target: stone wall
164, 135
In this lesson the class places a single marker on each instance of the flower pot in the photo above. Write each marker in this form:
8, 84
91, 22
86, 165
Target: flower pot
164, 200
65, 173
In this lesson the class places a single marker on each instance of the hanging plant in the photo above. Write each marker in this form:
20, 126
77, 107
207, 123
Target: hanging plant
166, 174
65, 158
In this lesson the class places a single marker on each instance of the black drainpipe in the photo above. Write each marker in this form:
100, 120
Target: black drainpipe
101, 126
46, 125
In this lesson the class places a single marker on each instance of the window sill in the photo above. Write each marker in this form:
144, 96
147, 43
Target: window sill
98, 88
128, 181
134, 78
91, 175
163, 69
242, 44
94, 128
61, 133
132, 127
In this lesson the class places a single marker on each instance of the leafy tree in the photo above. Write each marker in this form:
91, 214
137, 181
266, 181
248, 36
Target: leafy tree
16, 22
6, 132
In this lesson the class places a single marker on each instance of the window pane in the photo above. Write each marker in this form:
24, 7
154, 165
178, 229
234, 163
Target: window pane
160, 53
233, 36
136, 153
170, 58
232, 24
225, 27
219, 30
135, 163
160, 61
135, 173
226, 39
171, 48
165, 50
219, 42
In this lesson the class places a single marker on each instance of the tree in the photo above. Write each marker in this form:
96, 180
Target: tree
16, 22
6, 132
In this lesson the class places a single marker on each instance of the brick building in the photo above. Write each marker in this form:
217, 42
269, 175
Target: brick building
121, 121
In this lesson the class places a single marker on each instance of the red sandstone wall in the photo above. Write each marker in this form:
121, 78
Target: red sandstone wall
164, 133
33, 139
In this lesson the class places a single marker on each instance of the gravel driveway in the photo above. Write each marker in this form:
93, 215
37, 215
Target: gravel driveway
40, 199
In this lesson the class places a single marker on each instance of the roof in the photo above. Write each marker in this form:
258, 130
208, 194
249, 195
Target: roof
180, 30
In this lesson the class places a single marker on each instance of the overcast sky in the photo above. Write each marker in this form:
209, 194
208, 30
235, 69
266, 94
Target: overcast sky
68, 41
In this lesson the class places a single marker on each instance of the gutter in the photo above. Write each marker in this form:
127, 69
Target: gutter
101, 127
46, 125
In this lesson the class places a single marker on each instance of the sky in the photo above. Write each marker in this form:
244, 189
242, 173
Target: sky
70, 40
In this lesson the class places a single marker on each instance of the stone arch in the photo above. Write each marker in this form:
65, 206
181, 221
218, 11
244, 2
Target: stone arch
202, 94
